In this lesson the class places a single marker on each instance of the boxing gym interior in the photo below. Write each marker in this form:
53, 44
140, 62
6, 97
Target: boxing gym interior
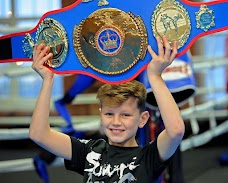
202, 97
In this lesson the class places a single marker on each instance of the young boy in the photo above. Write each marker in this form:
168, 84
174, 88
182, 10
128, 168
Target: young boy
122, 111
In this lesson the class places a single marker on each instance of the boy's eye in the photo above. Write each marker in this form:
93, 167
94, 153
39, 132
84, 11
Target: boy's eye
108, 114
126, 115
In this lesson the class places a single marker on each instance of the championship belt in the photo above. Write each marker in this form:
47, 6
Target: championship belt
107, 39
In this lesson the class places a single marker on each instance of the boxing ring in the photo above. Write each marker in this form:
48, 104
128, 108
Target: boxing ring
198, 110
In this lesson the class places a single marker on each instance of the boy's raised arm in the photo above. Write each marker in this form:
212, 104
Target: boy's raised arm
170, 138
40, 131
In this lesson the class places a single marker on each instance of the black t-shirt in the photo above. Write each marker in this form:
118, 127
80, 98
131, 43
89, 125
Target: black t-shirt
100, 162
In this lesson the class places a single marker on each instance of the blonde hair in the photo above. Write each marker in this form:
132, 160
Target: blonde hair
116, 94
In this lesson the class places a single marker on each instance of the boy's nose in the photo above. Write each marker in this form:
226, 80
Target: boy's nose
116, 120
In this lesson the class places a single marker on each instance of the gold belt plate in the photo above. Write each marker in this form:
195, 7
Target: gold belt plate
53, 34
170, 18
110, 41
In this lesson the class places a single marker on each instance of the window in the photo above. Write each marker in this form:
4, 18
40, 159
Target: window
16, 16
216, 76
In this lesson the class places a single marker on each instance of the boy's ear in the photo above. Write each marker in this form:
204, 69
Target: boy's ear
144, 118
99, 109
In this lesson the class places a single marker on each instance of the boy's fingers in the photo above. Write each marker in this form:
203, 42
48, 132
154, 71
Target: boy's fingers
151, 51
174, 51
42, 55
40, 62
37, 50
160, 46
167, 48
48, 57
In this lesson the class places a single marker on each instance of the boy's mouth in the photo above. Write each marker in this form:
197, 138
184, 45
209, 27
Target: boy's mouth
116, 131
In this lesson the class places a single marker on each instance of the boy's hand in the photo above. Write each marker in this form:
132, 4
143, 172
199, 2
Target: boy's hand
164, 58
40, 56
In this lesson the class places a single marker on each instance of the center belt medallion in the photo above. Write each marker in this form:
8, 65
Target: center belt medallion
110, 41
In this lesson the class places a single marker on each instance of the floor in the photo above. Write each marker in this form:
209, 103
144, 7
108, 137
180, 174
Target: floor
200, 165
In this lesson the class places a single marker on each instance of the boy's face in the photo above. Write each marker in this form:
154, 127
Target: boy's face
120, 123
